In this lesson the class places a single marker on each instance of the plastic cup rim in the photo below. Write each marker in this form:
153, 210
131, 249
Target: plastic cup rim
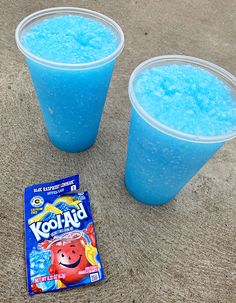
67, 10
170, 59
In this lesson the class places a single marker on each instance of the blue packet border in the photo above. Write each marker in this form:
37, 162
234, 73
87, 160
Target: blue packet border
59, 226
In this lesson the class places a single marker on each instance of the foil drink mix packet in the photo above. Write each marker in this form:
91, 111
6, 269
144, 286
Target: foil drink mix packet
61, 249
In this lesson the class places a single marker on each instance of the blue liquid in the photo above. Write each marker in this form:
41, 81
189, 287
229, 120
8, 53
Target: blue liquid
40, 261
187, 99
72, 101
70, 39
159, 165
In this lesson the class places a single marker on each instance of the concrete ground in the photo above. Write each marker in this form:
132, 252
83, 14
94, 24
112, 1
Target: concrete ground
182, 252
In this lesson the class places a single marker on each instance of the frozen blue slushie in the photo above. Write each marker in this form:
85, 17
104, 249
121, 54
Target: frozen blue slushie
71, 54
183, 110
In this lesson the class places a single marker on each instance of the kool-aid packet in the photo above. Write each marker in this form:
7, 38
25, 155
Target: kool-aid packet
61, 249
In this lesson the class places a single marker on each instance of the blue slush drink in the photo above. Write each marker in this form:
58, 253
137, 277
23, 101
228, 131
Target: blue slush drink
71, 54
183, 110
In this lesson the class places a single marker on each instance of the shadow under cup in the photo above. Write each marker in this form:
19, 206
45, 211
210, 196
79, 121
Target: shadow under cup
161, 160
71, 96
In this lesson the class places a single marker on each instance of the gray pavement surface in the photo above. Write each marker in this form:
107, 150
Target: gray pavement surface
184, 251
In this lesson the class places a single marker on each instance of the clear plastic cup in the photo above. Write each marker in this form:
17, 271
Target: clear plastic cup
71, 96
161, 160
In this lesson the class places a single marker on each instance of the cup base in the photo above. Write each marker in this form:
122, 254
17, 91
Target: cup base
146, 201
69, 149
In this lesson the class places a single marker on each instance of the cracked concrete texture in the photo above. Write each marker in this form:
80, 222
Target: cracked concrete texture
184, 251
